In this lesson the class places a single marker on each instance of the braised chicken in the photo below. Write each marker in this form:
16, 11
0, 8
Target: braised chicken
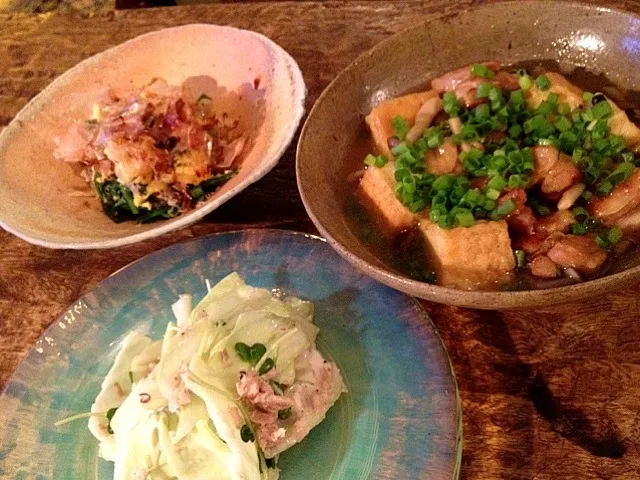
501, 173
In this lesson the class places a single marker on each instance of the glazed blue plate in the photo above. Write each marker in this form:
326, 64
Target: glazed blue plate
399, 420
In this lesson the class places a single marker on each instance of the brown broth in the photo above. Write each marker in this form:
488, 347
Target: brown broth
405, 253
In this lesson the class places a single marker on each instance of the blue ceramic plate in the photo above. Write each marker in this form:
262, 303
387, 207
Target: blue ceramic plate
400, 419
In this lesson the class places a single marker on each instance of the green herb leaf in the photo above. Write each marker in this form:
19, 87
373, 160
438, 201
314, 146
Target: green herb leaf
110, 413
244, 351
246, 434
266, 366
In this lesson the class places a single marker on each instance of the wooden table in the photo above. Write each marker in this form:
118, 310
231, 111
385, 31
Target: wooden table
547, 394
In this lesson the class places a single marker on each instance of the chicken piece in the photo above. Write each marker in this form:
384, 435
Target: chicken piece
555, 171
567, 92
580, 253
428, 111
444, 160
470, 258
630, 223
381, 117
377, 195
536, 244
623, 201
543, 267
521, 218
559, 221
453, 79
465, 86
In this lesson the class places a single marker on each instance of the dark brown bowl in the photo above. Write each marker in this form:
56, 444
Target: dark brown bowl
603, 41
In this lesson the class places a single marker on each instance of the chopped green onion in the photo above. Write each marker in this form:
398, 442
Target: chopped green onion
525, 82
465, 219
482, 71
497, 183
543, 82
484, 89
375, 161
451, 104
601, 110
400, 126
580, 214
520, 258
562, 124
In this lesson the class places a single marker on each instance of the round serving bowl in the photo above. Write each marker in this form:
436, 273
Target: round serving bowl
603, 41
37, 201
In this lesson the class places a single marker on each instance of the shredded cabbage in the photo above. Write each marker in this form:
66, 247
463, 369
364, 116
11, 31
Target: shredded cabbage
234, 382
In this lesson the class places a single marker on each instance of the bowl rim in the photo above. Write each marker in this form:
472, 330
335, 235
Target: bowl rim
447, 295
298, 89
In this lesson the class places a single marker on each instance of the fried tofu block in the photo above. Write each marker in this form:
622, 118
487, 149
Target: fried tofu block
376, 194
473, 258
567, 92
620, 125
380, 119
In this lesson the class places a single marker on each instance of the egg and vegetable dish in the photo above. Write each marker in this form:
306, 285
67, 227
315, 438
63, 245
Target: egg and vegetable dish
153, 153
508, 180
235, 382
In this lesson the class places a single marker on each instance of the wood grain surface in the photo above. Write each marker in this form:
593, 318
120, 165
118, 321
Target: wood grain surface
547, 394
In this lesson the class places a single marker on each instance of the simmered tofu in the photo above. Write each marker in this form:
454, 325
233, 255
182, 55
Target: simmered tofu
378, 197
380, 119
473, 258
622, 126
567, 92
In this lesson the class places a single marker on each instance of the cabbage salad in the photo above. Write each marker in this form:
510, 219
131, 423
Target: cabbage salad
234, 382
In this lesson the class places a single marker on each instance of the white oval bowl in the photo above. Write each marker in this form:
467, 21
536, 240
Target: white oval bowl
35, 203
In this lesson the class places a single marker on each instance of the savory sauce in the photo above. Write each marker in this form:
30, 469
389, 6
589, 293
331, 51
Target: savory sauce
405, 252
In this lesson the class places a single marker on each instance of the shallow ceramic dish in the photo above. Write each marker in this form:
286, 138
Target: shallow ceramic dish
400, 419
35, 200
573, 35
